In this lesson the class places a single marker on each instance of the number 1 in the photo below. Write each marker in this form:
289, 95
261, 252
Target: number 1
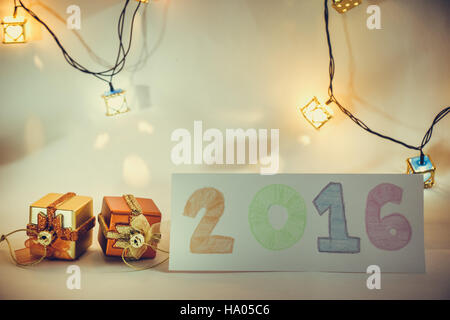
331, 198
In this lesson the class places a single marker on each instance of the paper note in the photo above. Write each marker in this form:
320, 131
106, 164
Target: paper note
297, 222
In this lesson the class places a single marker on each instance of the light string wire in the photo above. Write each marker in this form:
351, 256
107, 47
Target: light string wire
121, 54
15, 8
360, 123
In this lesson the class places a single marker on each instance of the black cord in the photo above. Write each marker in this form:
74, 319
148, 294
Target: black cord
359, 122
15, 8
122, 50
121, 55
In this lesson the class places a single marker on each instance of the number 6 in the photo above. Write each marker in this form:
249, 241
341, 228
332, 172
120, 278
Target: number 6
392, 232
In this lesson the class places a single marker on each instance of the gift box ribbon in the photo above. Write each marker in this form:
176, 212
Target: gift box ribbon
49, 224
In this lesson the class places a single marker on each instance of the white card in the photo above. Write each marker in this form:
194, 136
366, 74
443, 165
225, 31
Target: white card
297, 222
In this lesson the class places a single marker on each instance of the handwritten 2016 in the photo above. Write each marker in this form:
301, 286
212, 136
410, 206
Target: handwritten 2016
393, 232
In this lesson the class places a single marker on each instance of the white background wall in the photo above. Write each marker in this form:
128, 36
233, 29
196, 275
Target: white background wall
234, 63
213, 60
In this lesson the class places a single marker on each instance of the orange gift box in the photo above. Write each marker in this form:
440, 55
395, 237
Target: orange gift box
116, 212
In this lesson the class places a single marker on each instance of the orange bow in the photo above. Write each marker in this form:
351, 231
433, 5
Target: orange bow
49, 223
53, 224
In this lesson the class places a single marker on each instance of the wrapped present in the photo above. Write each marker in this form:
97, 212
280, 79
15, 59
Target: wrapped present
129, 227
60, 226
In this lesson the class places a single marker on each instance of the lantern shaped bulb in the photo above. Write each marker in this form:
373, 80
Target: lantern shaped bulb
316, 113
414, 166
342, 6
116, 102
14, 29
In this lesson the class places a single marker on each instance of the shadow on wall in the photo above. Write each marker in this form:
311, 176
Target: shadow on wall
440, 153
32, 137
142, 91
30, 134
352, 95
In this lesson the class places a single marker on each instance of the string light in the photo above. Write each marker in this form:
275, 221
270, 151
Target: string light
14, 28
116, 102
414, 166
342, 6
105, 75
316, 113
417, 165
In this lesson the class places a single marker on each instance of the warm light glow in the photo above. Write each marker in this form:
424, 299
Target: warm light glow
426, 168
343, 6
101, 141
135, 171
14, 29
143, 1
116, 102
316, 114
145, 127
305, 140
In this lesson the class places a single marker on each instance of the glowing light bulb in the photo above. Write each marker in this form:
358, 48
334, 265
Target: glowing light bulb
316, 113
342, 6
413, 166
116, 102
14, 29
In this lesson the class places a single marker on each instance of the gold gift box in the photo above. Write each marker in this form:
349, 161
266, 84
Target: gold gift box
76, 220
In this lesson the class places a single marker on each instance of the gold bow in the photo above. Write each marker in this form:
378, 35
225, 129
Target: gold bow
136, 237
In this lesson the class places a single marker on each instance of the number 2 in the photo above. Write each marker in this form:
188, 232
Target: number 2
202, 241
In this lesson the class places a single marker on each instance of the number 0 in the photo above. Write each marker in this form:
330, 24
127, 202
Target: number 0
258, 216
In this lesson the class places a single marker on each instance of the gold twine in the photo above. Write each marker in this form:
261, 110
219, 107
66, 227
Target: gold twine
11, 252
146, 267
